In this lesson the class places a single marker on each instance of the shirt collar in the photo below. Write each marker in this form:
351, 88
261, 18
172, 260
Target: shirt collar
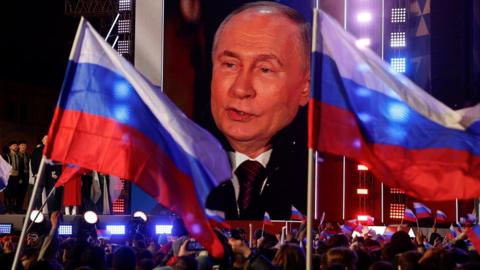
238, 158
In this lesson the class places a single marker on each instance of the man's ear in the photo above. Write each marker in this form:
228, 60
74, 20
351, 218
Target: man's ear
305, 93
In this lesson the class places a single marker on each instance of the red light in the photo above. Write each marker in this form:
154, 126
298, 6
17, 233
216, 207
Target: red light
362, 191
361, 167
362, 217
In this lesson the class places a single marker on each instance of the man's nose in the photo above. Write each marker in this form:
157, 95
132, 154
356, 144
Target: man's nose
242, 86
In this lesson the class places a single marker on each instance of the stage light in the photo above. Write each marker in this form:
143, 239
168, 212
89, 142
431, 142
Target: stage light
65, 230
116, 229
124, 5
364, 17
397, 39
141, 215
361, 167
123, 26
397, 210
123, 46
362, 191
35, 218
399, 15
363, 42
6, 228
90, 217
398, 64
362, 217
163, 229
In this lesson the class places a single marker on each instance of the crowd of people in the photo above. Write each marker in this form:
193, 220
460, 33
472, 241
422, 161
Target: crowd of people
44, 249
90, 191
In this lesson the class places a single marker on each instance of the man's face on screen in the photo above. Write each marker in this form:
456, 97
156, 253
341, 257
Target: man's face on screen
259, 78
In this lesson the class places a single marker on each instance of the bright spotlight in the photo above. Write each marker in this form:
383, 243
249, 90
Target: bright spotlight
364, 17
90, 217
35, 218
140, 214
363, 42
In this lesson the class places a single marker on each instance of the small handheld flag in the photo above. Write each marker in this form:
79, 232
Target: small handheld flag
422, 210
296, 214
440, 216
409, 215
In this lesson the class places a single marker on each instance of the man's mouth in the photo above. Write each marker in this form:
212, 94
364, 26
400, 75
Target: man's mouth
237, 115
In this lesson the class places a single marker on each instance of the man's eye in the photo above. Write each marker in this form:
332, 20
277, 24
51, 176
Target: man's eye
229, 65
265, 70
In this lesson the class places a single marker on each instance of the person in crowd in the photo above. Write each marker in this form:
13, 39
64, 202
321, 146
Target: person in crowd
12, 190
260, 81
24, 161
289, 257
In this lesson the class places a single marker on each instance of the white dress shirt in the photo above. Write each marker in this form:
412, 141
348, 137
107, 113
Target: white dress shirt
238, 158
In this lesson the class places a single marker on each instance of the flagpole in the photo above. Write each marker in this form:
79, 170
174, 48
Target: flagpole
311, 152
29, 211
41, 208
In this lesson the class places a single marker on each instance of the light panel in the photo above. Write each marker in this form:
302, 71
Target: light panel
364, 17
362, 191
397, 39
116, 229
123, 26
397, 210
65, 230
363, 42
163, 229
399, 15
6, 228
361, 167
398, 64
123, 46
124, 5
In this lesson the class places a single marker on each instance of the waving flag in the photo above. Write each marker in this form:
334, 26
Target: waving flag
349, 226
217, 218
409, 215
266, 219
474, 236
363, 109
296, 214
452, 232
5, 171
110, 119
440, 216
422, 210
69, 171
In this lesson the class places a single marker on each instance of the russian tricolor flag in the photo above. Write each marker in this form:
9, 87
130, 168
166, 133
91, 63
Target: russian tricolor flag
110, 119
363, 109
409, 215
296, 214
474, 235
422, 210
266, 219
440, 216
5, 171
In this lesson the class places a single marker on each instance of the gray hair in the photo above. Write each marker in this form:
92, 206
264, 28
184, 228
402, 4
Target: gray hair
282, 10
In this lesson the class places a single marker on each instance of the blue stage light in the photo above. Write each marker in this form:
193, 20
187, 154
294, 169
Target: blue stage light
116, 229
65, 230
163, 229
6, 228
399, 64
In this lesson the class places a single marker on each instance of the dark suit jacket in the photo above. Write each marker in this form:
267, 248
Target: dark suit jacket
286, 183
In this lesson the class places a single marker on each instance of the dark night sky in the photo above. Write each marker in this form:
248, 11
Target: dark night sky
36, 40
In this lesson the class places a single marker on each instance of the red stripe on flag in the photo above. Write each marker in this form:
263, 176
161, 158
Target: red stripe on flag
425, 173
106, 146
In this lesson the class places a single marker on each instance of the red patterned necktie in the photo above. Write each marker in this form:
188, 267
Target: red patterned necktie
250, 177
